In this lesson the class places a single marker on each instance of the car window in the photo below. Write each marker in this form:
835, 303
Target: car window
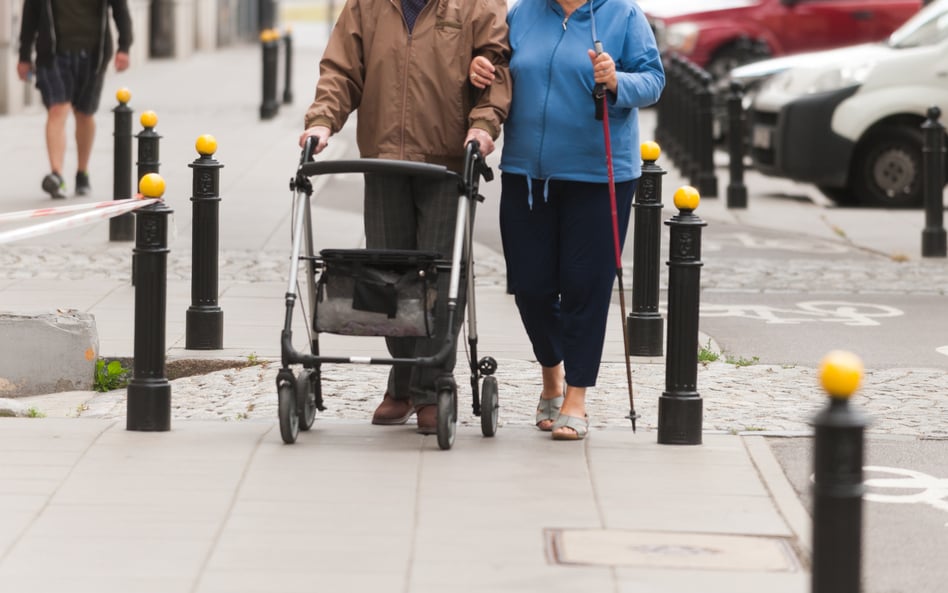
928, 27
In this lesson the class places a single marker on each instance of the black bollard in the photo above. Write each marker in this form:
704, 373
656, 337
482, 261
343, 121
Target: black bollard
707, 179
933, 167
736, 190
680, 408
147, 157
149, 392
837, 480
269, 43
288, 67
122, 227
645, 324
204, 321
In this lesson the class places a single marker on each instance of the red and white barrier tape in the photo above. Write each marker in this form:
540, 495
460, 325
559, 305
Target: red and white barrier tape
40, 212
98, 212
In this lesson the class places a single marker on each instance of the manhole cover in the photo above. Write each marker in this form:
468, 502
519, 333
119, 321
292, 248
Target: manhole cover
658, 549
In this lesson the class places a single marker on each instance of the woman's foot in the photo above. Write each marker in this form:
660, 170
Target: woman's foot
572, 424
551, 398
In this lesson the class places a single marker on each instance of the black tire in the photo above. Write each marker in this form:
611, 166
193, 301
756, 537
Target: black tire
843, 196
489, 407
447, 418
887, 168
306, 399
286, 409
730, 57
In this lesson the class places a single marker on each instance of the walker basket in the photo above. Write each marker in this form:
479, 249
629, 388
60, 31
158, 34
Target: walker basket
374, 292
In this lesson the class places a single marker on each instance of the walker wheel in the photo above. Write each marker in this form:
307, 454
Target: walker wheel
306, 399
447, 417
286, 409
489, 407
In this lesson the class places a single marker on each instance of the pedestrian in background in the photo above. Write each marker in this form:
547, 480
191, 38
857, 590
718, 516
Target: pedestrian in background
73, 46
403, 66
555, 210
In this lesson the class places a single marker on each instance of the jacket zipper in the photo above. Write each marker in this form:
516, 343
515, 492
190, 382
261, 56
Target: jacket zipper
546, 101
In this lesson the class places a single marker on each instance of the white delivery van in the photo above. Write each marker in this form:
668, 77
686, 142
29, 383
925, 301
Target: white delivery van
849, 120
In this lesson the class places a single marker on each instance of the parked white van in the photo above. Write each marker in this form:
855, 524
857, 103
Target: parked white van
849, 120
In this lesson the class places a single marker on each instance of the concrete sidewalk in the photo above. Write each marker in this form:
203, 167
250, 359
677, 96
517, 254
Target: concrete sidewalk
224, 506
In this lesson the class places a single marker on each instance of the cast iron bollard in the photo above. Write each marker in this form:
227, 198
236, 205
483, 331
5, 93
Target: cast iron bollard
736, 190
680, 408
204, 321
933, 153
269, 43
288, 67
149, 392
704, 144
147, 157
837, 479
122, 227
645, 324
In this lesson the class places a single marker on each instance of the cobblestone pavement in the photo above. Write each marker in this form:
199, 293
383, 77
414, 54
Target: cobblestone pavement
767, 398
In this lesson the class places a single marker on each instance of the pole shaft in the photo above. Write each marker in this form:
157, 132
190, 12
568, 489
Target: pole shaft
122, 227
204, 321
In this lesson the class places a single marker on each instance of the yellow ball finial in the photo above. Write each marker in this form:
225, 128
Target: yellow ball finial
840, 373
149, 119
687, 198
123, 95
151, 185
206, 145
651, 151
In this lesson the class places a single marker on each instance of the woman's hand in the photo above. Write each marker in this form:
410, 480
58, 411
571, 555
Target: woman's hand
604, 70
321, 133
481, 72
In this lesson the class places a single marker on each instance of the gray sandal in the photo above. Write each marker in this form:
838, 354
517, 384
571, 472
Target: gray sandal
579, 426
548, 409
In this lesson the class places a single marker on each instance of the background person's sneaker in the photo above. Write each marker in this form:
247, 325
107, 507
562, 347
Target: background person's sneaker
54, 185
82, 183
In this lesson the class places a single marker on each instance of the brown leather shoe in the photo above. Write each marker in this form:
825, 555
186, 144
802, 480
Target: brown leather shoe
427, 419
392, 411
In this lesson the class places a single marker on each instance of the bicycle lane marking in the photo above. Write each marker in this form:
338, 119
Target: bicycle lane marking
929, 489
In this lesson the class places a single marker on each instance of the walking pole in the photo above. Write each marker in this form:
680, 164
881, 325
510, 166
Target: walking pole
602, 109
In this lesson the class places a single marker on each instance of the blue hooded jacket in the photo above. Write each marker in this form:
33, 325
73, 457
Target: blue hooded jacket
551, 131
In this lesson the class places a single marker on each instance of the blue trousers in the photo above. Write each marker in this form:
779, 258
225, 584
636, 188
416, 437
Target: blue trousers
561, 266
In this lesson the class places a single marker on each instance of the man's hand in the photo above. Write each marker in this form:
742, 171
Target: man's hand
23, 70
321, 133
121, 61
483, 139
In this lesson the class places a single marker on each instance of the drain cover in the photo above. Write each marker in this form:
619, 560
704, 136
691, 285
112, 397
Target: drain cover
659, 549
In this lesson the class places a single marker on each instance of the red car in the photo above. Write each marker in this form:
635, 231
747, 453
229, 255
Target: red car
719, 35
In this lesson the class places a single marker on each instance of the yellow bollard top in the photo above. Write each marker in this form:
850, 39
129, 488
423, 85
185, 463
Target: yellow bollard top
123, 95
151, 185
268, 35
687, 198
149, 119
206, 145
840, 373
651, 151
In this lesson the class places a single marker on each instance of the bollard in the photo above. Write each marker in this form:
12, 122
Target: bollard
837, 479
680, 407
204, 321
707, 179
288, 67
736, 190
645, 324
122, 227
933, 167
147, 156
149, 392
271, 50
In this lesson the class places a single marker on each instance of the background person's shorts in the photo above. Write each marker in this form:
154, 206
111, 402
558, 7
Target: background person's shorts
71, 78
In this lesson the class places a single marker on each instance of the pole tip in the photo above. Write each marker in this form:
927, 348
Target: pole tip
151, 185
687, 198
149, 119
840, 373
123, 95
650, 151
206, 145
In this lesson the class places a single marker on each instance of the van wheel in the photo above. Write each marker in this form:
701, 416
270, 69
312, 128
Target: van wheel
887, 168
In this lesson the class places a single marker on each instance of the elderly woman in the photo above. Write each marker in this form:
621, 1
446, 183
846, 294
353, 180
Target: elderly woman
555, 211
